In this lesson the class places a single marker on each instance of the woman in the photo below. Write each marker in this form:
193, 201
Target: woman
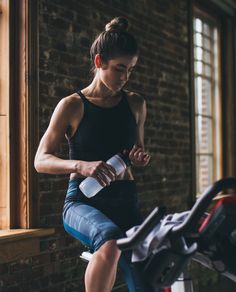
98, 122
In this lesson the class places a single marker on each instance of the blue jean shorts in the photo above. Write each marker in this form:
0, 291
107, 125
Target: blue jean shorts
106, 216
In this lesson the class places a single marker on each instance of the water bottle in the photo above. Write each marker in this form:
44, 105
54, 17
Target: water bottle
90, 186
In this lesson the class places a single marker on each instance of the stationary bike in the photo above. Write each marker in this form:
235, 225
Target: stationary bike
165, 244
170, 242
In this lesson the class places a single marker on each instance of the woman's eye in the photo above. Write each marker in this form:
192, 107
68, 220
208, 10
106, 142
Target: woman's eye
120, 70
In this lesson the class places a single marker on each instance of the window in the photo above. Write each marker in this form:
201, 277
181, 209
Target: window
18, 115
207, 85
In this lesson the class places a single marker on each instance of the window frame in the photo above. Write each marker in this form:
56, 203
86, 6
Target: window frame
216, 129
228, 87
23, 115
4, 109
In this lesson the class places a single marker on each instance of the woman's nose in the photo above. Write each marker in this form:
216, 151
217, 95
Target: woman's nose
125, 76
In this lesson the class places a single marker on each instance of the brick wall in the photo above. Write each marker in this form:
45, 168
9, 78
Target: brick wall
66, 31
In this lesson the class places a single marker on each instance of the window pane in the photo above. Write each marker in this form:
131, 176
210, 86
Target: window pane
207, 101
206, 106
204, 135
198, 39
207, 57
206, 29
198, 53
198, 67
203, 96
198, 95
204, 172
197, 24
207, 71
206, 42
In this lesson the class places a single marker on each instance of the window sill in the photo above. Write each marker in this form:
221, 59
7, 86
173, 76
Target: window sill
16, 244
18, 234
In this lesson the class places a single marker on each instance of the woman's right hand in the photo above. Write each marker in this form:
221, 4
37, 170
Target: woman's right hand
100, 170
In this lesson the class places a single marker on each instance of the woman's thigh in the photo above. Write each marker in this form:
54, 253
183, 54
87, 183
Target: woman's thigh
89, 225
93, 228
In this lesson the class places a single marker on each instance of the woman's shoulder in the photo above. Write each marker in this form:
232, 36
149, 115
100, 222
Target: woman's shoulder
69, 107
70, 103
135, 99
72, 100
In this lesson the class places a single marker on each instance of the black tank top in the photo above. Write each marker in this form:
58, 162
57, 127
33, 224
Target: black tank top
103, 132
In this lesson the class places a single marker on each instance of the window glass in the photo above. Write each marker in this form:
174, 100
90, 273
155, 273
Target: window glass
206, 88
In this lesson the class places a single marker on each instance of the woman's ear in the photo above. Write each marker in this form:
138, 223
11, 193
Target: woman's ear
98, 61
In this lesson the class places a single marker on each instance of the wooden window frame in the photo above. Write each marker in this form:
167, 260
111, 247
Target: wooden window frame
4, 109
228, 87
217, 154
22, 61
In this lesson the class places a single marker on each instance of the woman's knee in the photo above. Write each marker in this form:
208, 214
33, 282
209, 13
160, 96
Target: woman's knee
109, 251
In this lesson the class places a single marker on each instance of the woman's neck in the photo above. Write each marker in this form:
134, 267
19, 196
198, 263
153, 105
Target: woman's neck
97, 89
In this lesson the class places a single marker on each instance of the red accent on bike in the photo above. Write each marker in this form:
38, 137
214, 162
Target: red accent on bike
224, 201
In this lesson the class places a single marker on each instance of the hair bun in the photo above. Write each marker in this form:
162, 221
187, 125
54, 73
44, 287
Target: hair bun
117, 23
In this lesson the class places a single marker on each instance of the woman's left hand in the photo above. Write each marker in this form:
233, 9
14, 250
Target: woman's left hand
138, 156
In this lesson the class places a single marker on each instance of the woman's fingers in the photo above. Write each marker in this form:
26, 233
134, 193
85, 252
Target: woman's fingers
111, 172
146, 158
137, 153
102, 179
139, 156
132, 151
104, 173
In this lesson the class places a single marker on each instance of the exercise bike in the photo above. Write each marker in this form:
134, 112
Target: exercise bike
165, 244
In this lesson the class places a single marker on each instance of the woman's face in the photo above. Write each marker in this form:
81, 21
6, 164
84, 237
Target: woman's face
116, 72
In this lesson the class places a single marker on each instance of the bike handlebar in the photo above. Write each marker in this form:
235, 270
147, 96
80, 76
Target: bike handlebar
149, 223
189, 223
203, 203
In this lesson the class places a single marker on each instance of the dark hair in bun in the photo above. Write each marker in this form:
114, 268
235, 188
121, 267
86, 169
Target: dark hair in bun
117, 23
115, 41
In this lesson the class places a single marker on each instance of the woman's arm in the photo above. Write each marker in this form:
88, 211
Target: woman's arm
45, 159
137, 155
67, 111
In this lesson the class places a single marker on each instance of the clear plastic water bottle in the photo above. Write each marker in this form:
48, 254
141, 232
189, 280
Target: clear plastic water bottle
90, 186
